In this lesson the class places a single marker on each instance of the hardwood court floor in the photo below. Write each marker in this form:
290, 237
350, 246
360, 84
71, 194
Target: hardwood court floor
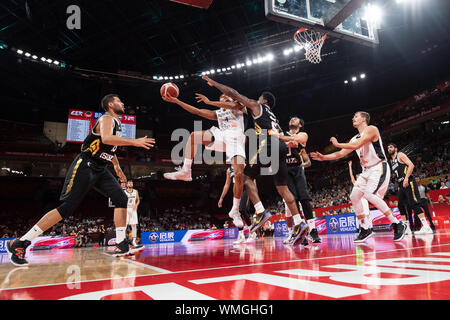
417, 267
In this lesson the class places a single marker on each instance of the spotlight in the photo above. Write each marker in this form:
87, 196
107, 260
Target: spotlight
155, 77
362, 75
223, 69
203, 73
43, 59
207, 72
181, 77
346, 81
176, 77
354, 79
228, 68
27, 54
212, 71
233, 67
49, 60
297, 48
170, 78
34, 57
270, 57
255, 61
19, 51
249, 63
166, 78
373, 13
218, 70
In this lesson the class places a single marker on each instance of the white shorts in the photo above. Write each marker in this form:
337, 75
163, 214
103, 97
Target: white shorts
375, 179
230, 141
132, 217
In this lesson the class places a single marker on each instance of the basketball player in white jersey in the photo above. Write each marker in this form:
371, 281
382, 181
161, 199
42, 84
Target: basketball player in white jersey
365, 203
229, 137
373, 182
132, 218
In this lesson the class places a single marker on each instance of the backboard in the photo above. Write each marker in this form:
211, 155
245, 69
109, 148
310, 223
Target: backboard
343, 19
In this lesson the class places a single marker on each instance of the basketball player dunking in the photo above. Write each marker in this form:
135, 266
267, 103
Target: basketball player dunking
132, 218
265, 122
228, 138
297, 160
373, 182
88, 170
408, 192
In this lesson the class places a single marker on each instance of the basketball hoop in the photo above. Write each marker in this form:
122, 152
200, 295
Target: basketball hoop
312, 41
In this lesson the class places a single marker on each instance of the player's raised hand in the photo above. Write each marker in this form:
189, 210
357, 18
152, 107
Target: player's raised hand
201, 98
144, 142
334, 141
317, 156
208, 80
169, 98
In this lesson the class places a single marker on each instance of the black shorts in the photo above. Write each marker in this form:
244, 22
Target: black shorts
258, 159
409, 196
83, 175
297, 183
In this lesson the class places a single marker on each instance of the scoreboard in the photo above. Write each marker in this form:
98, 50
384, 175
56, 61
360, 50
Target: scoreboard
81, 122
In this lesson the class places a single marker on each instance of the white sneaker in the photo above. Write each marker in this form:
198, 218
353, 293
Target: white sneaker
288, 239
424, 230
184, 175
237, 221
241, 238
251, 237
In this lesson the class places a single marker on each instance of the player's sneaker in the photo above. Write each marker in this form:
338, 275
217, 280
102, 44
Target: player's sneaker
408, 230
237, 220
252, 237
241, 238
314, 236
122, 249
259, 219
305, 242
363, 235
288, 239
424, 230
399, 230
299, 234
135, 248
180, 174
16, 252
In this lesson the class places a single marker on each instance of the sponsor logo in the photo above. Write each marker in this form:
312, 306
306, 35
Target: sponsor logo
88, 114
334, 224
76, 113
153, 237
106, 156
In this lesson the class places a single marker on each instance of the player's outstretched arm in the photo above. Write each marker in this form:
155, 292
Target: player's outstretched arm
106, 125
253, 105
219, 104
300, 138
368, 135
118, 170
332, 156
204, 113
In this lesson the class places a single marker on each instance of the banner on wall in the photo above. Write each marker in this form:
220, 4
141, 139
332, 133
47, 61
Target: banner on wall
44, 243
281, 227
187, 235
341, 223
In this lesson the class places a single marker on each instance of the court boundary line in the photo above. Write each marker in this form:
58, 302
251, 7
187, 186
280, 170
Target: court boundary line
218, 268
140, 264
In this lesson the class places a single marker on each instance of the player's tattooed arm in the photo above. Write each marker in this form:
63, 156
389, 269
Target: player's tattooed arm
204, 113
253, 105
368, 135
118, 170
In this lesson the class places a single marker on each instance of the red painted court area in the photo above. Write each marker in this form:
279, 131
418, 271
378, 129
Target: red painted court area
417, 267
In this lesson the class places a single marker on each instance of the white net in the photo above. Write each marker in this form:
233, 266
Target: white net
312, 42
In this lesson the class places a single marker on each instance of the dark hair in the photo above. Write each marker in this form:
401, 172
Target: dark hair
365, 115
270, 98
300, 120
107, 99
392, 144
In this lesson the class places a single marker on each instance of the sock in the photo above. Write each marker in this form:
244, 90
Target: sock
187, 164
424, 222
133, 231
32, 234
392, 218
311, 224
241, 233
364, 224
297, 219
236, 203
120, 234
259, 208
369, 221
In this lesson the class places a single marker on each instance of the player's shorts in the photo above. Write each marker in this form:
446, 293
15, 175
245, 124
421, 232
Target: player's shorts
375, 179
409, 196
132, 217
297, 183
84, 174
258, 160
232, 142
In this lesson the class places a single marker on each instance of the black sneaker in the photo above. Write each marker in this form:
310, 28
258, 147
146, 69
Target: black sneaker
137, 248
122, 249
300, 233
399, 230
314, 236
305, 242
260, 219
363, 235
16, 251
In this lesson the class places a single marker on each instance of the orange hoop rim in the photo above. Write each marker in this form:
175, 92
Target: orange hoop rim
301, 30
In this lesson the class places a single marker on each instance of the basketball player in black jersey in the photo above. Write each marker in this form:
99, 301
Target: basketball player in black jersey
265, 122
86, 171
408, 192
297, 159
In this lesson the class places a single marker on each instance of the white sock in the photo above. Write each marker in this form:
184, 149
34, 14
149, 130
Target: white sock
369, 221
120, 234
424, 222
259, 208
187, 164
236, 203
311, 224
392, 218
297, 219
32, 234
364, 224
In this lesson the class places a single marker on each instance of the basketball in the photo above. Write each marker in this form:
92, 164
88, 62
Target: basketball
170, 88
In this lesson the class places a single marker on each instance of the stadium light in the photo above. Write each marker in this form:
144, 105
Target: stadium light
19, 51
34, 56
373, 13
362, 75
43, 59
297, 48
346, 81
270, 57
249, 63
27, 54
354, 79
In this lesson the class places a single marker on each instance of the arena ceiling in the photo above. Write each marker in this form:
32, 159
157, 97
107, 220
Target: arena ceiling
145, 38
